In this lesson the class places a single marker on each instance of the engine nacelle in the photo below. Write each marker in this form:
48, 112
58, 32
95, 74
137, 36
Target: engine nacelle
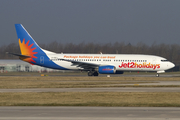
107, 69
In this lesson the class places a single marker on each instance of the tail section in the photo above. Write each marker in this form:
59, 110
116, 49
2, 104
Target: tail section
28, 46
31, 52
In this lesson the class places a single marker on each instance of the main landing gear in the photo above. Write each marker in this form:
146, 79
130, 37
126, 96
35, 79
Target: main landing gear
93, 73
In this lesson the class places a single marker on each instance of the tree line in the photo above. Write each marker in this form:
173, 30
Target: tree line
171, 52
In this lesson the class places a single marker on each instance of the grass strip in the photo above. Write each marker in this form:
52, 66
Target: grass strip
56, 84
137, 99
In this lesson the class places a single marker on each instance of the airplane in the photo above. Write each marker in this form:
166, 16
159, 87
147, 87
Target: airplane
94, 64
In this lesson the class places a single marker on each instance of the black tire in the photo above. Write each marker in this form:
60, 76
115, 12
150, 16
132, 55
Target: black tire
90, 74
95, 73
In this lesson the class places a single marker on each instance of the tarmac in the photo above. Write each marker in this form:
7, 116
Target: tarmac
113, 89
89, 113
108, 89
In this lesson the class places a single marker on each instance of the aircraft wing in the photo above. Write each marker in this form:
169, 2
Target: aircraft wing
84, 65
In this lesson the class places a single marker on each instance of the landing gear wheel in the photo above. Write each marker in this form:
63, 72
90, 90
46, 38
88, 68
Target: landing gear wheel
157, 75
95, 73
90, 73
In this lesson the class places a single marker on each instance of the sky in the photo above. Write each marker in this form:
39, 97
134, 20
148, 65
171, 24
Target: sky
92, 21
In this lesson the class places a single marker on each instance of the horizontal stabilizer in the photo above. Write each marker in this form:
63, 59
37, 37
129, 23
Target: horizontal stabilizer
19, 55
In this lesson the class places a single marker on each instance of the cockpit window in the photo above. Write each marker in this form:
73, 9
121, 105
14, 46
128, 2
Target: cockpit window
164, 60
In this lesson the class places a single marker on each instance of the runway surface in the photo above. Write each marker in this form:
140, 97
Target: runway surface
155, 83
114, 89
89, 113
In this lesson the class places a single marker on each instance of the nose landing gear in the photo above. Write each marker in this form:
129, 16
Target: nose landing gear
157, 75
159, 72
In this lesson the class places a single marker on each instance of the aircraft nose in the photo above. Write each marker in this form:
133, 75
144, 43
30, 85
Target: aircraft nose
171, 65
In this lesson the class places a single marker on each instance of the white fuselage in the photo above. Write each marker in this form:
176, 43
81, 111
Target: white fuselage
122, 62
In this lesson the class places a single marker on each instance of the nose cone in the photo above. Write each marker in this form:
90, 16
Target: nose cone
171, 65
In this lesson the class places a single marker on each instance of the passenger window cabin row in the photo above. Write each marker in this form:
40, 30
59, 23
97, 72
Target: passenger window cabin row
130, 60
104, 60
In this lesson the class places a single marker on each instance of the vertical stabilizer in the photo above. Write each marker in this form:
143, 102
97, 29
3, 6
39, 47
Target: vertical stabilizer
27, 45
31, 52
